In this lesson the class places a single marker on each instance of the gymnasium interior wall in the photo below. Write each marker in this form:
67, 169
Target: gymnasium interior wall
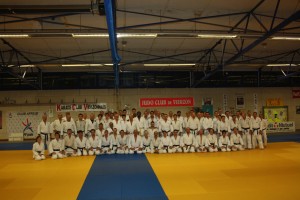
44, 100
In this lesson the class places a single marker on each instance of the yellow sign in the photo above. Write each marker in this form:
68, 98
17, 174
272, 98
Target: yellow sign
274, 102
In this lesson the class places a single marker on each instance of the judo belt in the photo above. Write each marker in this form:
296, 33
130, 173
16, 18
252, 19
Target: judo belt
155, 147
236, 143
46, 136
68, 147
176, 130
175, 145
212, 144
167, 148
263, 129
256, 129
245, 129
39, 152
56, 149
146, 145
105, 146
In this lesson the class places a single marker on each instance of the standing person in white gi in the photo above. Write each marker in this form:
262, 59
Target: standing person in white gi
234, 123
106, 121
68, 124
188, 141
38, 149
81, 144
224, 143
118, 123
131, 125
70, 144
135, 143
44, 129
255, 120
263, 128
100, 131
56, 125
223, 126
56, 147
80, 123
165, 125
176, 142
93, 144
90, 124
176, 124
201, 142
212, 141
216, 121
152, 129
246, 127
236, 140
193, 124
207, 123
141, 123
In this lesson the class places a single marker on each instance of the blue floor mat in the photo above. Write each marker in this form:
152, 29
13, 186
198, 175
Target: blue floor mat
121, 177
284, 138
16, 145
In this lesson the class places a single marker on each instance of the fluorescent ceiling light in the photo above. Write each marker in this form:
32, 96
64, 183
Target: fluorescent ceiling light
82, 65
281, 65
23, 66
79, 35
285, 38
14, 35
169, 65
283, 72
216, 36
136, 35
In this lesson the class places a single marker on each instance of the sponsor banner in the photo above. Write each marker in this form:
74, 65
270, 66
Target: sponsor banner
23, 122
296, 93
166, 102
274, 102
275, 127
81, 107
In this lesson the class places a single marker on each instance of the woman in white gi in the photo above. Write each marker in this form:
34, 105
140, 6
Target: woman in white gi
236, 140
165, 143
135, 143
70, 144
188, 141
146, 142
56, 147
155, 144
176, 142
93, 144
122, 142
105, 143
38, 149
201, 142
224, 143
114, 142
81, 143
212, 141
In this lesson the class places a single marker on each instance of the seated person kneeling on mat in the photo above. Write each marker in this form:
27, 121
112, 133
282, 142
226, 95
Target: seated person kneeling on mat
212, 141
135, 143
224, 143
176, 142
81, 144
146, 142
165, 143
236, 140
188, 141
201, 142
70, 144
38, 149
56, 147
93, 143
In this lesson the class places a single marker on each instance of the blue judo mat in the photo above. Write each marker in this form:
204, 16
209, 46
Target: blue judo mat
121, 177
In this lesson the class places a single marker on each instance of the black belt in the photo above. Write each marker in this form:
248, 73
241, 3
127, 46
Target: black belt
176, 130
225, 145
263, 129
80, 148
166, 146
115, 145
56, 149
245, 128
255, 129
39, 152
146, 145
212, 143
193, 129
68, 147
236, 143
46, 136
105, 146
175, 145
155, 147
166, 130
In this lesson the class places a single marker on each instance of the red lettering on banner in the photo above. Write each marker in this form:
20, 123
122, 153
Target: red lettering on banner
58, 108
85, 106
160, 102
296, 93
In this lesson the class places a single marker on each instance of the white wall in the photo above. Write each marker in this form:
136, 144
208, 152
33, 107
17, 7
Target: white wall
131, 96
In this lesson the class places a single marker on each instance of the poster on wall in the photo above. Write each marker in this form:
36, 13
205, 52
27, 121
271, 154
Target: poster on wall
240, 102
0, 119
23, 122
297, 109
276, 113
166, 102
207, 101
208, 108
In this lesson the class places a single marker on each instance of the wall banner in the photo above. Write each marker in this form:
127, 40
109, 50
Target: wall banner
296, 93
23, 122
81, 107
166, 102
275, 127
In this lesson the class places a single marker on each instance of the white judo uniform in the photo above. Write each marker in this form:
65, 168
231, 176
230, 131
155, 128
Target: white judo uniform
81, 145
212, 142
155, 144
146, 144
55, 148
114, 145
165, 145
68, 125
70, 145
105, 145
224, 143
256, 128
176, 144
263, 128
93, 145
246, 126
122, 141
134, 143
193, 124
188, 142
237, 142
38, 150
201, 143
44, 131
89, 125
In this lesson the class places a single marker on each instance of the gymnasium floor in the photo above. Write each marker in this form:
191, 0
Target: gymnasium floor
273, 173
